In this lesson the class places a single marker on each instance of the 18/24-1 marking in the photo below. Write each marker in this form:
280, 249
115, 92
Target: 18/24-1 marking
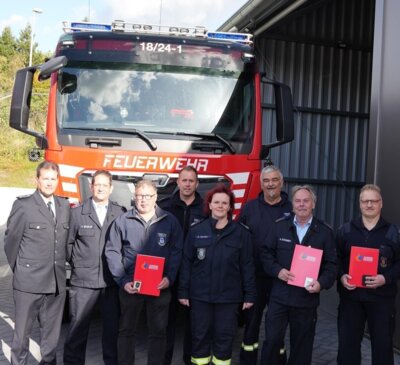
160, 47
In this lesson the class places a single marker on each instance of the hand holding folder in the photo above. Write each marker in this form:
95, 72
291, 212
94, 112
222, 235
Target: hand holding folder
363, 263
305, 266
148, 274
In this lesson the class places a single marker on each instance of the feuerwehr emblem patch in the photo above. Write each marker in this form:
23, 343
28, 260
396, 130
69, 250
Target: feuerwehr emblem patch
383, 261
201, 253
162, 239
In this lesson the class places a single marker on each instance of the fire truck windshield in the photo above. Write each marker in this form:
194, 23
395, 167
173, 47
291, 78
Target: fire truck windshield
182, 89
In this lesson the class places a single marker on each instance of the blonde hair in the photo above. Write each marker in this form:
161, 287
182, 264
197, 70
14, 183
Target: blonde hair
372, 187
146, 182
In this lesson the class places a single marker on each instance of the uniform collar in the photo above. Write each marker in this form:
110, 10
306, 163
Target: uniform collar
47, 200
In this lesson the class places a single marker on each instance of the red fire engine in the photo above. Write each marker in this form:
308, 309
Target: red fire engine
143, 101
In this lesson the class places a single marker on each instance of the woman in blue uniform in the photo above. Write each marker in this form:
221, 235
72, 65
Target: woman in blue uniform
217, 273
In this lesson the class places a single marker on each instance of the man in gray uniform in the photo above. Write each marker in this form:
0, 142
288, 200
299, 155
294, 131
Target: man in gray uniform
34, 242
91, 281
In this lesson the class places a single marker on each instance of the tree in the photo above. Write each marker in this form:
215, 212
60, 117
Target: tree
24, 43
8, 44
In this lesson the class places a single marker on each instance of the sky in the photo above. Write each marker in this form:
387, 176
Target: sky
47, 26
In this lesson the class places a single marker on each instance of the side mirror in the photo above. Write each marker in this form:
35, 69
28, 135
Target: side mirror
22, 93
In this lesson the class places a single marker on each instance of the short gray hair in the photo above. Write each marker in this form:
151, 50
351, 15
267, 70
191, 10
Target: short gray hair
309, 188
270, 168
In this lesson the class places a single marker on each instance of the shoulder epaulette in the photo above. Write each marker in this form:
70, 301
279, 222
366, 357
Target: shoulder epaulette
118, 205
24, 196
393, 233
115, 203
346, 227
163, 199
243, 225
61, 197
325, 224
197, 222
285, 217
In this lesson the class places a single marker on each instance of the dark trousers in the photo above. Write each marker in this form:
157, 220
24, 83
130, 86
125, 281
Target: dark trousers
157, 319
302, 323
252, 321
176, 309
213, 330
48, 308
380, 317
82, 302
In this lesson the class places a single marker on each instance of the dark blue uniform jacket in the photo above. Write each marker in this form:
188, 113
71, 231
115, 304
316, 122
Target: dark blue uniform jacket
277, 253
129, 235
218, 268
186, 214
260, 216
385, 237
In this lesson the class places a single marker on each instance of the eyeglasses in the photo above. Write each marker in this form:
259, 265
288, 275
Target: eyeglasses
370, 201
144, 197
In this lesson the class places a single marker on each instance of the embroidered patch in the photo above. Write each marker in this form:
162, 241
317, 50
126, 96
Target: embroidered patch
383, 262
201, 253
162, 239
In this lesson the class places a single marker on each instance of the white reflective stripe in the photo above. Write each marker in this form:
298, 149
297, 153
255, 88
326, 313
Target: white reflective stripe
69, 187
201, 360
216, 361
239, 177
239, 193
238, 205
69, 171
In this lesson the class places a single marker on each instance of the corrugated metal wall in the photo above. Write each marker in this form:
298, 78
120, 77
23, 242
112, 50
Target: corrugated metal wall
324, 53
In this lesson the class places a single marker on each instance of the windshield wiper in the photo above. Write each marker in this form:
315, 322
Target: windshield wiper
215, 136
137, 132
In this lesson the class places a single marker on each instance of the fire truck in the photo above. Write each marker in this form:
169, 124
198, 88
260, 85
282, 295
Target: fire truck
143, 101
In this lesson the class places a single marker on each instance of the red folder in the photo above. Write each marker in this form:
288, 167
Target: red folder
363, 262
305, 266
148, 274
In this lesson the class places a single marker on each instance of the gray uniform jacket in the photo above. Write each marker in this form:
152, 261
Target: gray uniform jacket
35, 244
86, 243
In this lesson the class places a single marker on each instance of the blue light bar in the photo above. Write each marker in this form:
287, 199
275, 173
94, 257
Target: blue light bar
235, 37
90, 26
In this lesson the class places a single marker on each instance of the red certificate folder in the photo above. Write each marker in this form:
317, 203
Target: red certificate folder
148, 274
305, 266
363, 262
